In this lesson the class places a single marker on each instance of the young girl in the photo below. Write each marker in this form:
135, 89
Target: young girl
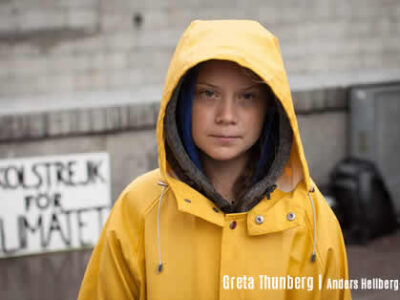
232, 212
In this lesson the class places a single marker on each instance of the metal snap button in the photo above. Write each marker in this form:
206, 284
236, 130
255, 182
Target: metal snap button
291, 216
215, 209
259, 220
232, 225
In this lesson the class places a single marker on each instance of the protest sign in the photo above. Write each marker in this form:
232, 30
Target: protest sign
52, 203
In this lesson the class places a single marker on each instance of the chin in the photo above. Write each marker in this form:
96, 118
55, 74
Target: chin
223, 155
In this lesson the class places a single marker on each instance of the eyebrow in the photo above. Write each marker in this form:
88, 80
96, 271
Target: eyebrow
209, 84
216, 86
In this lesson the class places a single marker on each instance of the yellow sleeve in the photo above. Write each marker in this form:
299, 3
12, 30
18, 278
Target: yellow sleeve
116, 268
332, 252
335, 273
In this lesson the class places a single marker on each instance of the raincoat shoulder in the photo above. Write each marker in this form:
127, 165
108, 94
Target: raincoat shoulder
117, 267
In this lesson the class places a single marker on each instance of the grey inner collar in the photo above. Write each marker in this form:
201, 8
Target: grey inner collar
187, 171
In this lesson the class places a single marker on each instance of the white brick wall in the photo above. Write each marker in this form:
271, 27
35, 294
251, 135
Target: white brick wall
111, 53
81, 17
40, 18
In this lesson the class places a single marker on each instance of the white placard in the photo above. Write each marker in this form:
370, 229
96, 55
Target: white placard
53, 203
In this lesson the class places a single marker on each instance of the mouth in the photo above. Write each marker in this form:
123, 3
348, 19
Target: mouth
225, 138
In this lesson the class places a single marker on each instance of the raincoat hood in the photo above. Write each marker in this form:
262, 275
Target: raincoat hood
249, 45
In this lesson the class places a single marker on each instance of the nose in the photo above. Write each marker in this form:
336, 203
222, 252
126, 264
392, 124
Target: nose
226, 113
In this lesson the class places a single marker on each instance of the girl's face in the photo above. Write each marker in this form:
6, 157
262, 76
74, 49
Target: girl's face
228, 110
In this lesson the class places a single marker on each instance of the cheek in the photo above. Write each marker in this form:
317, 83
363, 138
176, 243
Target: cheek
261, 114
200, 119
255, 121
196, 118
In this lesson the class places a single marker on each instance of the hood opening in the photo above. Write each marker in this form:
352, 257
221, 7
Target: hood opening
268, 155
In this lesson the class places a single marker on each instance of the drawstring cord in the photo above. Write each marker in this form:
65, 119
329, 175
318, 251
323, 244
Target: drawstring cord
160, 263
313, 255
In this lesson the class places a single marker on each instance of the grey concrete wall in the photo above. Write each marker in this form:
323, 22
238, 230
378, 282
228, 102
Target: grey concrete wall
324, 137
68, 46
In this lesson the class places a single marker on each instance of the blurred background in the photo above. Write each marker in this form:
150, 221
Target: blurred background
86, 76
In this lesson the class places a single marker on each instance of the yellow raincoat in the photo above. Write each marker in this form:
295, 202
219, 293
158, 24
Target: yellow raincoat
166, 240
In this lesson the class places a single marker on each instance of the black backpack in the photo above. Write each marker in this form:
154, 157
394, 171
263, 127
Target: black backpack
364, 207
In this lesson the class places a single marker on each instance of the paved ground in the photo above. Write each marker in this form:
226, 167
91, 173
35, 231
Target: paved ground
43, 277
380, 258
58, 276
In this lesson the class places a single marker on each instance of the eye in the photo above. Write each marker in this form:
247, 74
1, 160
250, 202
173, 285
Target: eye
209, 93
206, 93
248, 95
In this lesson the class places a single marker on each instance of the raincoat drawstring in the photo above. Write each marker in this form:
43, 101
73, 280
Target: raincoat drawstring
313, 255
160, 263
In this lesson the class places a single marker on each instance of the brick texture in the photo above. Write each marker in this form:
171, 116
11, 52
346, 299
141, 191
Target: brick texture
67, 46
